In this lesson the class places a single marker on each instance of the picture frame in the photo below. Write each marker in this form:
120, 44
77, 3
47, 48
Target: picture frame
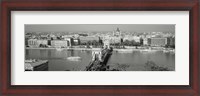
105, 5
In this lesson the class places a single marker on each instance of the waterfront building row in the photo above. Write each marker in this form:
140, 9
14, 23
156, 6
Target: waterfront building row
116, 38
163, 41
47, 43
158, 41
64, 42
86, 39
67, 42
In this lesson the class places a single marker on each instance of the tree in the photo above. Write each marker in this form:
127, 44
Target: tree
133, 43
94, 42
100, 42
141, 41
89, 43
126, 42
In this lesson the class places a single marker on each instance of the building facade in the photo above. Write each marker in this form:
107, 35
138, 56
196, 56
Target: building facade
86, 39
42, 42
128, 37
32, 43
70, 40
171, 41
37, 43
137, 39
158, 41
60, 43
113, 39
76, 41
145, 41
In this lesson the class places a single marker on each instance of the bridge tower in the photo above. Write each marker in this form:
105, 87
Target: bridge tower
106, 44
96, 55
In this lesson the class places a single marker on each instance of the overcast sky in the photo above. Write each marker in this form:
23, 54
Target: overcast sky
99, 27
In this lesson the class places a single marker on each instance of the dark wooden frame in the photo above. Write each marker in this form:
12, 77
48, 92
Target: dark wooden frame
193, 89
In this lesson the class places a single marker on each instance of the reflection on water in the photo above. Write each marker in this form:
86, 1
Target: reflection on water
58, 59
137, 60
133, 61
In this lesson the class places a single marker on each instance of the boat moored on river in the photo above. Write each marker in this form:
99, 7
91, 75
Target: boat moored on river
75, 58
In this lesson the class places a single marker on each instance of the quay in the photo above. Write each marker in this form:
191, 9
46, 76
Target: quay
36, 65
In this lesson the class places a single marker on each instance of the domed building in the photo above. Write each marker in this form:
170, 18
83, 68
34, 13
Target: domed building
117, 33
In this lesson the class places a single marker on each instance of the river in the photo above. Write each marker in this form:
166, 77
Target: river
129, 61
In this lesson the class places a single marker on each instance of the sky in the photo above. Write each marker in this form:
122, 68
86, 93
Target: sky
99, 27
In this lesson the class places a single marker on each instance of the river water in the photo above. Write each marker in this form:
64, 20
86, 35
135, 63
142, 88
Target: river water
130, 61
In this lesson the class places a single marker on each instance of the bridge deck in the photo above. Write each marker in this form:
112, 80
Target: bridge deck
98, 65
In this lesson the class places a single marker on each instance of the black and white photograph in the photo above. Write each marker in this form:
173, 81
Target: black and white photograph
99, 47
